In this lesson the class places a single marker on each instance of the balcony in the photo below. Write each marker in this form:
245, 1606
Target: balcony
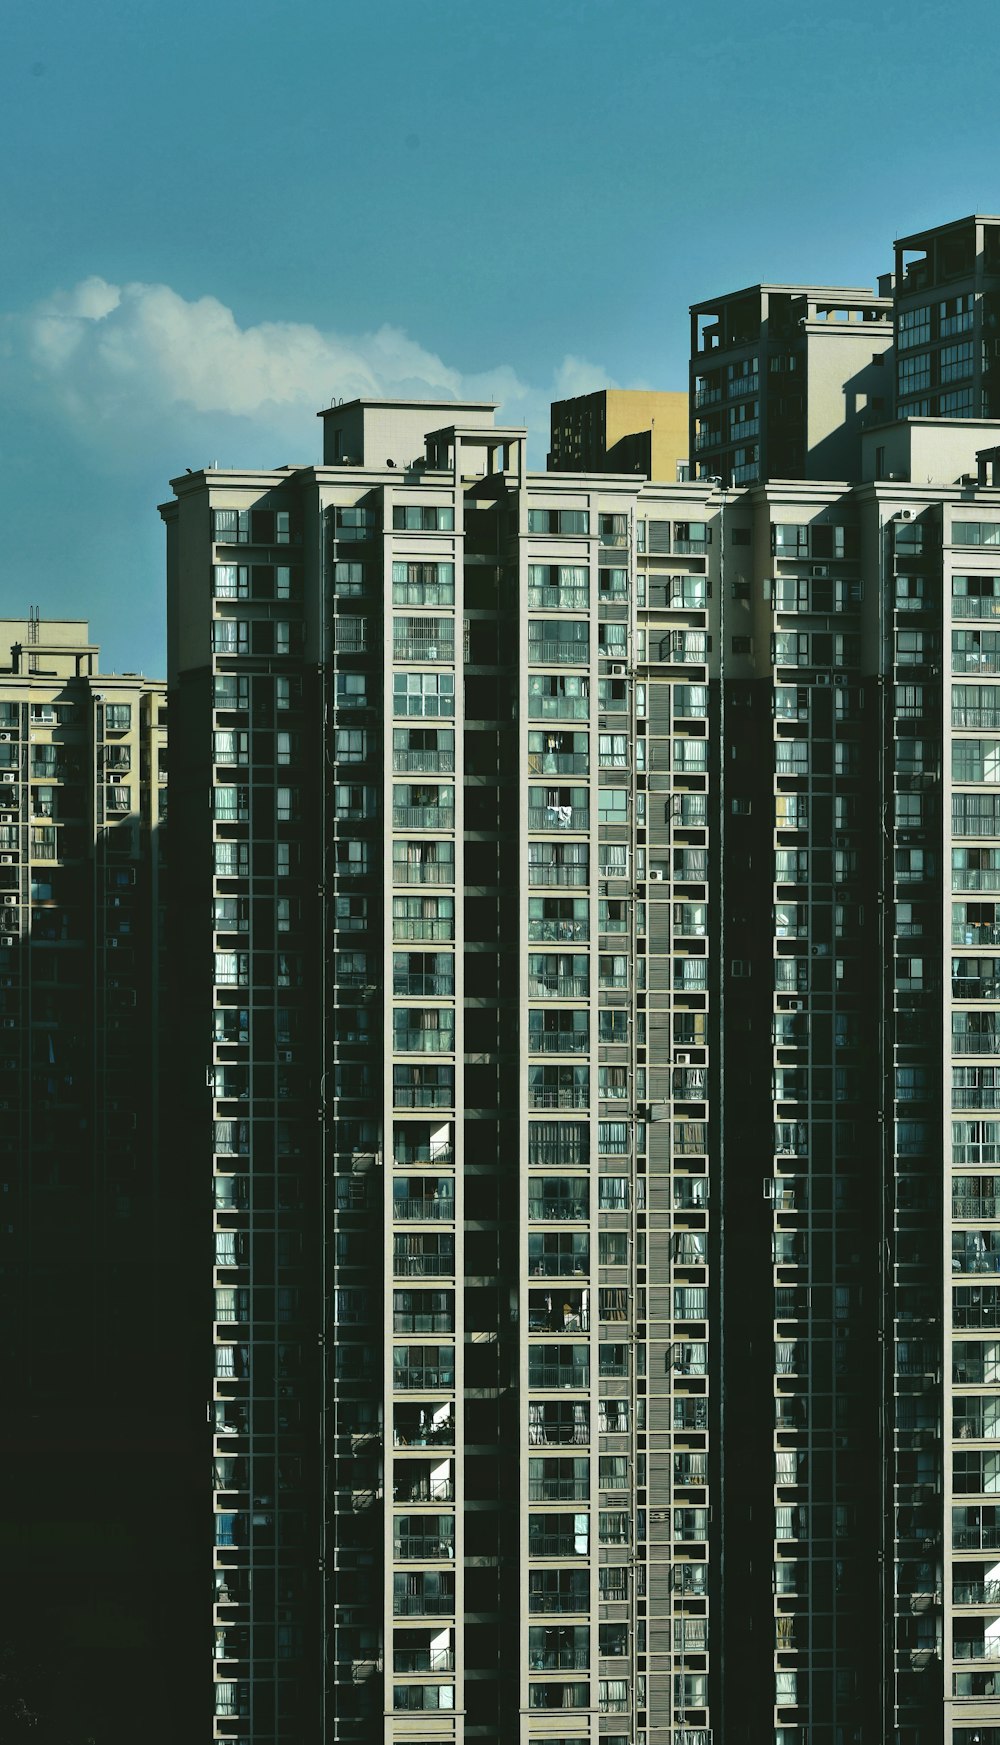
558, 763
439, 646
555, 1377
565, 1311
558, 818
434, 817
436, 1203
556, 872
423, 872
545, 651
565, 987
552, 1256
430, 762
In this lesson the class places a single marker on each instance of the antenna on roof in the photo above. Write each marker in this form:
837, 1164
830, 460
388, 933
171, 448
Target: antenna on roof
33, 623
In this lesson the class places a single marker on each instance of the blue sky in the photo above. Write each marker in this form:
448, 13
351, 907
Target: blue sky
217, 217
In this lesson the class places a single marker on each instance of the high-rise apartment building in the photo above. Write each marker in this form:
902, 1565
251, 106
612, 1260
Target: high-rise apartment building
783, 380
443, 752
621, 430
587, 1016
82, 1451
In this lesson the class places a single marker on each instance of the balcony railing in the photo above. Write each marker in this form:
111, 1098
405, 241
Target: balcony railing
557, 1375
563, 1097
423, 817
976, 606
424, 1208
423, 1265
558, 763
404, 928
541, 874
558, 987
440, 648
558, 818
973, 933
433, 986
976, 987
442, 762
975, 1593
559, 653
423, 872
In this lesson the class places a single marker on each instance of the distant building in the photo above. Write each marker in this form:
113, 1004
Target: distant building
621, 430
947, 312
783, 380
89, 1435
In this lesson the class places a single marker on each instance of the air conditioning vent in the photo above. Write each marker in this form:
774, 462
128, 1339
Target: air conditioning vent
618, 669
682, 1060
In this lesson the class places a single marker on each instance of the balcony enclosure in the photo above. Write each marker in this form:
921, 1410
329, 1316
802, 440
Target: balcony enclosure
562, 1311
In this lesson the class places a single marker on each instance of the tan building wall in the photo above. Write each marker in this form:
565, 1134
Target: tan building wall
622, 430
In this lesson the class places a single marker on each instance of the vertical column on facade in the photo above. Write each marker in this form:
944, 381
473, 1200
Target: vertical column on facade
823, 1198
423, 1375
264, 1155
352, 741
557, 1358
675, 591
970, 607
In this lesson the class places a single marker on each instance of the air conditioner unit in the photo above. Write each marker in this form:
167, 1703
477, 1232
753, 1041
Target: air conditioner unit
769, 1187
822, 678
682, 1060
10, 1023
284, 1056
907, 514
819, 569
657, 874
6, 817
6, 860
618, 669
840, 678
10, 902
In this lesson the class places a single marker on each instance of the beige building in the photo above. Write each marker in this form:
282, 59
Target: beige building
447, 953
621, 430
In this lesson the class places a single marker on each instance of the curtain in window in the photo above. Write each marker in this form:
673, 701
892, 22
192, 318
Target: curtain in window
580, 1424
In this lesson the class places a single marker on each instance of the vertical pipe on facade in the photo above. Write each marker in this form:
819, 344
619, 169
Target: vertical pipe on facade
718, 1031
631, 682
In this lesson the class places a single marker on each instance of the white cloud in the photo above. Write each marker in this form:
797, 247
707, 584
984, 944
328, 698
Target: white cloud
577, 375
134, 366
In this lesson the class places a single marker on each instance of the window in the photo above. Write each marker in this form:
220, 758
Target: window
354, 522
975, 532
691, 536
348, 580
914, 373
431, 695
423, 584
913, 327
564, 521
551, 586
117, 717
423, 518
612, 805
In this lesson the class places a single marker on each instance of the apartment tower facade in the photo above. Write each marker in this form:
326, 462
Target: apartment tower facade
453, 879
